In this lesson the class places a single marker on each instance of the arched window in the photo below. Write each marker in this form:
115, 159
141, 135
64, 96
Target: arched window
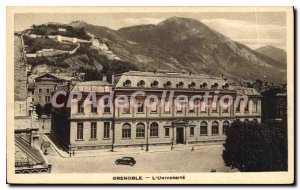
154, 84
127, 83
126, 131
215, 128
168, 84
204, 85
226, 86
203, 128
192, 85
141, 84
225, 127
180, 85
154, 130
140, 130
215, 85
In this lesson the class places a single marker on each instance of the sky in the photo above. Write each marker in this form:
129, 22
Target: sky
254, 29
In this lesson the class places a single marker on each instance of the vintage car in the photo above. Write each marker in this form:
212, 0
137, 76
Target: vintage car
125, 160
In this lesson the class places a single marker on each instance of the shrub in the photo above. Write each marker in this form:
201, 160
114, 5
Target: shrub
253, 147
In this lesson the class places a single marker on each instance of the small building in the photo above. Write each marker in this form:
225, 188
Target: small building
40, 90
62, 29
274, 105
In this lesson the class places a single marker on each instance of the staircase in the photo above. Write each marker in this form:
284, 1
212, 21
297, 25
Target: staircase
28, 150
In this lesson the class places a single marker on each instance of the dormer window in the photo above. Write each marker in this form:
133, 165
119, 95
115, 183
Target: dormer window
141, 84
215, 85
192, 85
127, 83
204, 85
180, 85
226, 86
154, 84
168, 84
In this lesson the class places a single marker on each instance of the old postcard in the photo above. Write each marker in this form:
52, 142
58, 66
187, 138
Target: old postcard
150, 95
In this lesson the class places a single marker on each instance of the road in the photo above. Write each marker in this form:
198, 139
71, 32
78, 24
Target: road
203, 160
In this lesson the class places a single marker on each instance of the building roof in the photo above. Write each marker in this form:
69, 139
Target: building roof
175, 78
57, 76
96, 83
93, 86
246, 91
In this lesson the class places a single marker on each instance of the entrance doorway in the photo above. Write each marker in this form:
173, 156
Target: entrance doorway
179, 135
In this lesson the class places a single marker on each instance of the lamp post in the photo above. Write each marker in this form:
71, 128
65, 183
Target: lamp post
147, 142
43, 116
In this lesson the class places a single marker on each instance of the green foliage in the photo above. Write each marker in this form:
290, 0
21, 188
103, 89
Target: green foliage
39, 110
47, 109
52, 29
36, 44
254, 147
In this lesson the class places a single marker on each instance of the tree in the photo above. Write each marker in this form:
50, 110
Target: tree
47, 109
253, 147
39, 110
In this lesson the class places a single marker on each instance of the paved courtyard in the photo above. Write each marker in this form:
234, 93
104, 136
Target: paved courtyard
200, 160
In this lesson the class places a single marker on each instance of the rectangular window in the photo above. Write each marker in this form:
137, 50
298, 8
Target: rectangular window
48, 90
47, 99
215, 106
247, 106
153, 105
225, 106
167, 132
40, 90
167, 106
254, 106
80, 107
140, 107
79, 131
126, 107
106, 130
106, 106
238, 107
93, 108
93, 130
179, 107
192, 106
203, 106
192, 131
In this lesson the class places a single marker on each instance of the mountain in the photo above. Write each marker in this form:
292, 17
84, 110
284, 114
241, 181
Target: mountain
178, 44
274, 53
200, 49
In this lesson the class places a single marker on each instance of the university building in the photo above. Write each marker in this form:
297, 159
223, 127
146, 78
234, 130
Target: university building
87, 127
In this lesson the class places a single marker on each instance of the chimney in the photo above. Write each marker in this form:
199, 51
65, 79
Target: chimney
104, 78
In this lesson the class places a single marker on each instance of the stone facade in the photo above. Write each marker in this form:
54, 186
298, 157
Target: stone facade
162, 125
